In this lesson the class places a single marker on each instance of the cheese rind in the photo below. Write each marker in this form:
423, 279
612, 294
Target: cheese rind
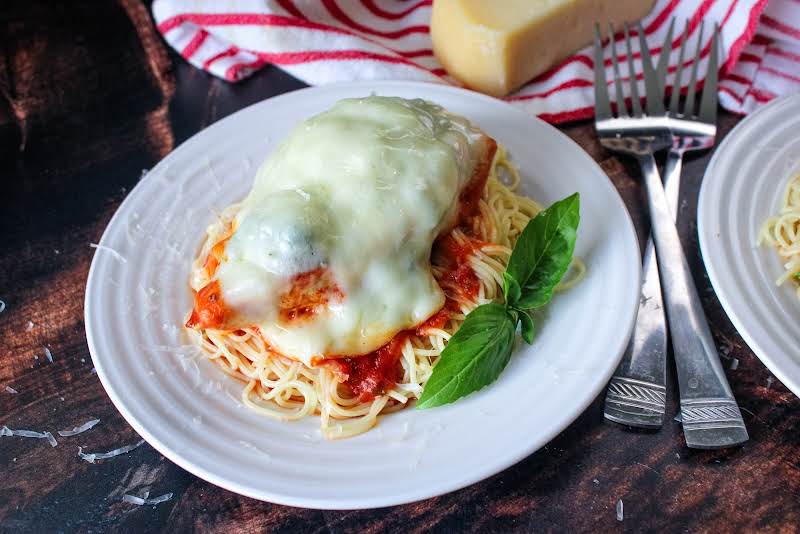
496, 46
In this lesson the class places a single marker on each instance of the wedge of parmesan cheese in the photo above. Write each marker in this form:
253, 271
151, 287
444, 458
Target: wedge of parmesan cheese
495, 47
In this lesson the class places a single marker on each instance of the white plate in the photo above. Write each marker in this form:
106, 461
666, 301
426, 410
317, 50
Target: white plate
134, 306
741, 188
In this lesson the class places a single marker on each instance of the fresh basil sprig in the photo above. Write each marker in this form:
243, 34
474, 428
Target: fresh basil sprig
481, 348
542, 255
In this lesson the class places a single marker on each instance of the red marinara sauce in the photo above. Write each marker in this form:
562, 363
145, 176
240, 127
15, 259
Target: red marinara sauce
209, 308
459, 276
471, 194
373, 374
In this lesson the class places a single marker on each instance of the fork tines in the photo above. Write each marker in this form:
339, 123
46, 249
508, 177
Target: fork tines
655, 78
708, 101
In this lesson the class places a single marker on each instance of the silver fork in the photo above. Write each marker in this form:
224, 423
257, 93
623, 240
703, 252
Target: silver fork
709, 412
715, 421
637, 393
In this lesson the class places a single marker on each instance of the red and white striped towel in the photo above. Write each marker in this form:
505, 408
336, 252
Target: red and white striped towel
325, 41
769, 66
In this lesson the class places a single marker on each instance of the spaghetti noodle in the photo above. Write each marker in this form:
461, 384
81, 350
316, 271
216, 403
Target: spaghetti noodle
782, 231
468, 264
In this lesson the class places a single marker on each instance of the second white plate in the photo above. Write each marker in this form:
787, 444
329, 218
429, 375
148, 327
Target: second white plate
742, 187
138, 293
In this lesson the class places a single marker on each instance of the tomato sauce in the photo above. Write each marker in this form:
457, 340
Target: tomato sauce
437, 320
209, 308
459, 277
373, 374
471, 195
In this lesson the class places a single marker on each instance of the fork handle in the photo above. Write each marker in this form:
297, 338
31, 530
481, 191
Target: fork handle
637, 392
711, 417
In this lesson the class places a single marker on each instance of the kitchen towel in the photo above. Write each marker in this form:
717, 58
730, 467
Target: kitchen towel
327, 41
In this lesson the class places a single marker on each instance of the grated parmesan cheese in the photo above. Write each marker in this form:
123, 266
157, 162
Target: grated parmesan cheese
160, 498
142, 501
92, 457
248, 445
5, 431
11, 390
28, 434
234, 399
317, 436
133, 499
217, 183
51, 439
78, 429
119, 257
29, 326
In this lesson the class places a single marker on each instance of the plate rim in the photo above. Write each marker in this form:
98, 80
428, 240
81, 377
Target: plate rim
478, 474
705, 238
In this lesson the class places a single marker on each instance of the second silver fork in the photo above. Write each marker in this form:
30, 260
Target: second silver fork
710, 415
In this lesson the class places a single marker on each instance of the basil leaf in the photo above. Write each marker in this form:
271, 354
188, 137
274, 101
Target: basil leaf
473, 358
527, 329
511, 290
543, 252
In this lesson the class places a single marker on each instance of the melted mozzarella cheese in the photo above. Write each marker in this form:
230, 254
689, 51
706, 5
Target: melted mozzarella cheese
361, 192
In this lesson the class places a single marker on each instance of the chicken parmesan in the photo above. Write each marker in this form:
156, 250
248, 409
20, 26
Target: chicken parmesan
367, 237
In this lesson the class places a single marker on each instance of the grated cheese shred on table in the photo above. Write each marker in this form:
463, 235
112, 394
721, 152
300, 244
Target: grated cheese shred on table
143, 501
5, 431
92, 457
79, 429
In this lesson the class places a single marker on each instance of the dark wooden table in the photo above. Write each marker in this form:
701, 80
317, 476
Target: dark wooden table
90, 96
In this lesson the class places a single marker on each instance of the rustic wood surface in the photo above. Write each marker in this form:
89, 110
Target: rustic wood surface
90, 96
